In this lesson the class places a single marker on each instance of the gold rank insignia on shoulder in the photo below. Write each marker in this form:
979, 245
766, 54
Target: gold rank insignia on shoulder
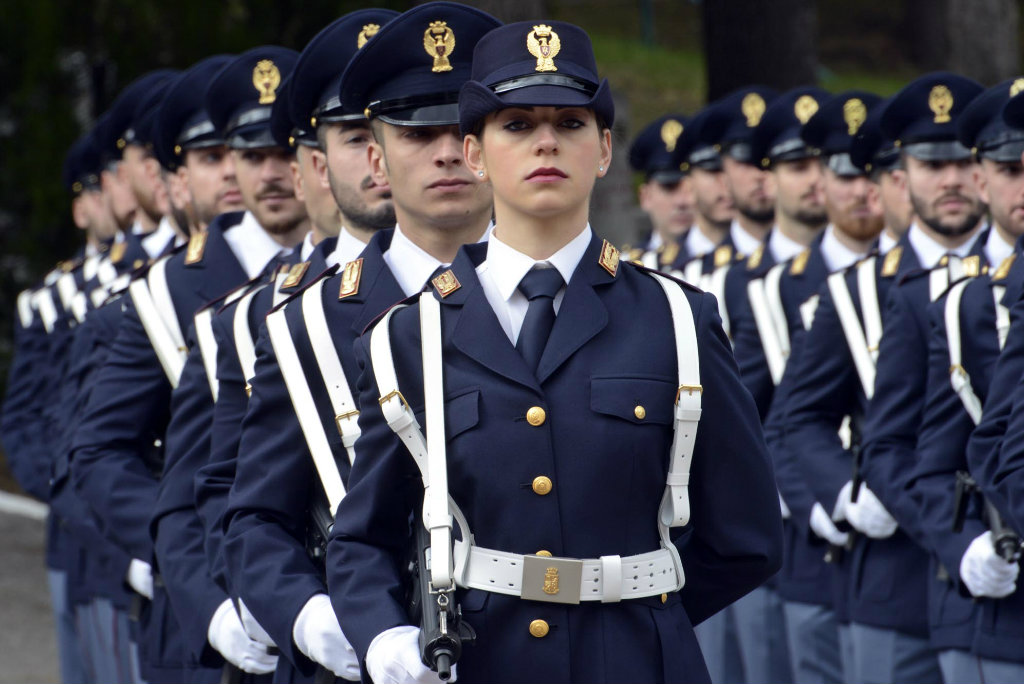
117, 252
669, 252
753, 107
544, 44
295, 275
940, 101
350, 277
67, 266
670, 132
804, 108
196, 247
723, 255
266, 77
609, 259
446, 283
1004, 267
799, 264
368, 32
855, 113
755, 258
138, 263
439, 42
1017, 86
972, 266
891, 265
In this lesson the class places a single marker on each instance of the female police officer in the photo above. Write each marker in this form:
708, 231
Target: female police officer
592, 487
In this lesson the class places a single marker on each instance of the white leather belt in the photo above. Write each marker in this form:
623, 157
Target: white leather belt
568, 580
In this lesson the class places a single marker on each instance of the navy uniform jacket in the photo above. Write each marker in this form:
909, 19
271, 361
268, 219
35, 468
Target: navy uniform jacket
889, 455
608, 470
212, 478
945, 430
275, 481
129, 408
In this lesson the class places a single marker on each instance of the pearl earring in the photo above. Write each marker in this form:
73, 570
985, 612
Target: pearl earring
600, 168
480, 173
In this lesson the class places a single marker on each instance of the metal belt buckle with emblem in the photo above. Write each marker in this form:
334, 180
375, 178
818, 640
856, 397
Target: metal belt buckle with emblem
553, 580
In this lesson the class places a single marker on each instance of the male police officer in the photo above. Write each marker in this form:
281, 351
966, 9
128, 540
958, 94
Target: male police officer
439, 205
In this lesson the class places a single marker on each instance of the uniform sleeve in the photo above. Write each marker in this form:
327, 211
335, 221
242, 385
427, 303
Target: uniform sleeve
736, 542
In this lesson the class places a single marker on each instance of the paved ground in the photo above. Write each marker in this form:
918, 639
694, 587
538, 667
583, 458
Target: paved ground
28, 651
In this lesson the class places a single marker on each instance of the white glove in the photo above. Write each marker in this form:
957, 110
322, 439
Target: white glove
842, 501
822, 525
227, 635
394, 658
318, 635
984, 572
140, 577
868, 515
252, 627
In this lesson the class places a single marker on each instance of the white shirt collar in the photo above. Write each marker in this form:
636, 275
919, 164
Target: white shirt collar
252, 245
507, 266
155, 242
136, 228
783, 248
886, 242
837, 255
307, 247
655, 242
349, 247
410, 265
997, 248
929, 252
744, 242
697, 243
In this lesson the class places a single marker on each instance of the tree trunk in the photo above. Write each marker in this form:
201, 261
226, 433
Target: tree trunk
983, 39
752, 41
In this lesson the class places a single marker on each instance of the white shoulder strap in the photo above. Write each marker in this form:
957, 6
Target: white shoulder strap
870, 307
693, 271
716, 286
25, 308
650, 259
958, 376
170, 353
278, 295
774, 350
245, 345
1002, 314
106, 272
305, 409
90, 267
42, 300
346, 414
208, 348
855, 338
79, 306
66, 290
161, 295
807, 311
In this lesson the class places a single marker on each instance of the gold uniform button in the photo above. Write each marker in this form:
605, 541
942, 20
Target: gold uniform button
640, 412
543, 552
542, 485
539, 629
536, 416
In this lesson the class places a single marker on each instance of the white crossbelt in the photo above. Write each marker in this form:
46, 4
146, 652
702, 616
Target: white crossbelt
170, 353
305, 409
42, 301
772, 326
470, 566
207, 342
852, 330
958, 376
1002, 314
25, 308
693, 271
157, 279
245, 347
716, 286
346, 415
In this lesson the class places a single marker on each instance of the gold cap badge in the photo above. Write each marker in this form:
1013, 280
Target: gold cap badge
609, 259
295, 275
544, 44
940, 101
1016, 87
804, 108
753, 107
368, 32
854, 114
891, 265
196, 247
446, 283
439, 42
670, 132
350, 278
266, 77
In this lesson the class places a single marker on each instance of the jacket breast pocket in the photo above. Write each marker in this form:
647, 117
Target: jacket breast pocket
634, 399
461, 412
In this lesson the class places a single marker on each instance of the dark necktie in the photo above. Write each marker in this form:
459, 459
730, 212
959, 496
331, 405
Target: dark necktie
539, 286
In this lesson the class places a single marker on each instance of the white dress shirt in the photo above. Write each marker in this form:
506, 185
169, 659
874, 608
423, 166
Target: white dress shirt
157, 241
505, 267
886, 242
783, 248
744, 242
929, 252
410, 265
252, 246
997, 248
697, 243
349, 247
837, 255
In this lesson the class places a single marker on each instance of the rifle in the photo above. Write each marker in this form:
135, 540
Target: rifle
442, 630
835, 553
1006, 541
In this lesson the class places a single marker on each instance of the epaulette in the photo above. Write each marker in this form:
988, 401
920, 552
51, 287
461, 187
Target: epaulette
683, 283
891, 263
326, 273
196, 247
754, 260
668, 253
117, 251
723, 255
295, 274
234, 294
1004, 268
799, 263
412, 299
